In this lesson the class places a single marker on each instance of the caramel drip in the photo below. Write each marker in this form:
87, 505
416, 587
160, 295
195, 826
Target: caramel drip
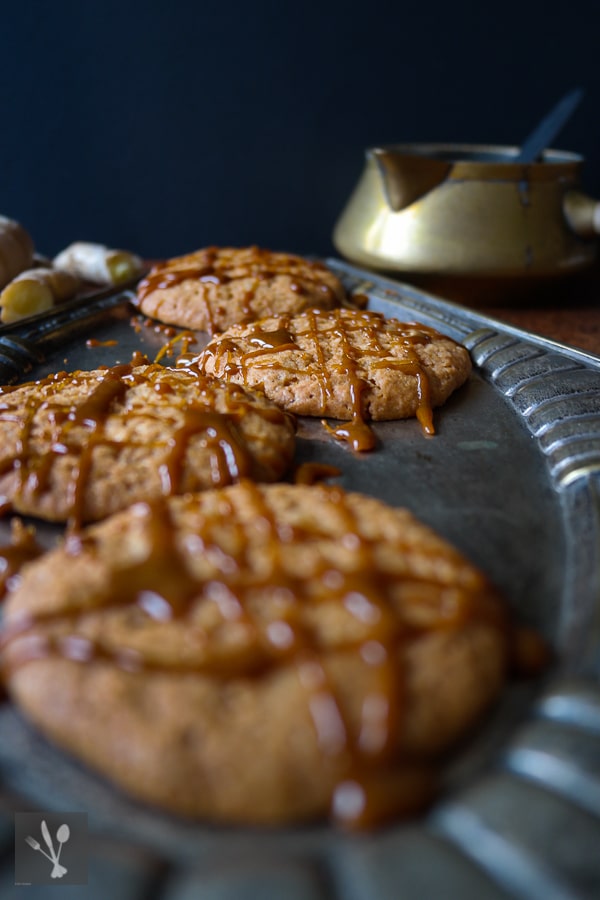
313, 472
221, 266
280, 339
91, 343
79, 430
357, 433
185, 338
229, 461
346, 330
162, 584
323, 376
412, 366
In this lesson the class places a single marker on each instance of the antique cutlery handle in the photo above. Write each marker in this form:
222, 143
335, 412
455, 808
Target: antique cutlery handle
17, 357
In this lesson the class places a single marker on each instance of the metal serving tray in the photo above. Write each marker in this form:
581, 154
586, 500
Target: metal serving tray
512, 477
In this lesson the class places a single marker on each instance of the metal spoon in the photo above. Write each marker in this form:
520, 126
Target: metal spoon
543, 135
62, 836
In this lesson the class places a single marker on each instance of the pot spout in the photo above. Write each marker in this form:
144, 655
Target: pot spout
407, 178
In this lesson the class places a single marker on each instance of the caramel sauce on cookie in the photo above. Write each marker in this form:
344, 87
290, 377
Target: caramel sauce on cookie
160, 583
80, 428
347, 329
220, 266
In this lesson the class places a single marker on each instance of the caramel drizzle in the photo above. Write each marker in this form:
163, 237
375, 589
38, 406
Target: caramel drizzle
314, 472
80, 430
185, 338
163, 586
346, 329
220, 266
92, 343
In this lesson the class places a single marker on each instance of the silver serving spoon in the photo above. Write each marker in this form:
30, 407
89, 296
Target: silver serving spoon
543, 135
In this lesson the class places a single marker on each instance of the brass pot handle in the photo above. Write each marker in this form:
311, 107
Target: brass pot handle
582, 213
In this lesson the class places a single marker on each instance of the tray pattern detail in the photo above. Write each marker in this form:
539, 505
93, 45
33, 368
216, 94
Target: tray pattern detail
566, 423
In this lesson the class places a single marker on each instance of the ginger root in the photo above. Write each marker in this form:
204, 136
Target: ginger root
16, 250
34, 291
98, 263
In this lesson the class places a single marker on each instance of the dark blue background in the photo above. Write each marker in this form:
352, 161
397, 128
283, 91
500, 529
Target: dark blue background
166, 126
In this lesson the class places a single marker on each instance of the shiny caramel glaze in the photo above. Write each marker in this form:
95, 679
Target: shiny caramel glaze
177, 343
92, 343
77, 415
274, 578
314, 472
253, 265
367, 346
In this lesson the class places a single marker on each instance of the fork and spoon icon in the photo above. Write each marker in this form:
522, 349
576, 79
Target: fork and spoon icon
62, 836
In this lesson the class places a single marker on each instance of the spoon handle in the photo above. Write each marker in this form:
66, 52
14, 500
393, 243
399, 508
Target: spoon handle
543, 135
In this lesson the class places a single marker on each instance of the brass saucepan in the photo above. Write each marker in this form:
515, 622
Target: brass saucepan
454, 215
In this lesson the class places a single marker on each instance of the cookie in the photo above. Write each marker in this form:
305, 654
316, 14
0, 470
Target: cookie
259, 654
81, 446
344, 364
216, 287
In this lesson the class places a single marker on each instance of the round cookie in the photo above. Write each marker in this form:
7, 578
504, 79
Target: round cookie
259, 653
216, 287
344, 363
83, 445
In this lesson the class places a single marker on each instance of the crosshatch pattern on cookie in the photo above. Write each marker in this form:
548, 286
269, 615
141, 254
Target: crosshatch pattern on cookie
128, 433
354, 365
216, 287
311, 588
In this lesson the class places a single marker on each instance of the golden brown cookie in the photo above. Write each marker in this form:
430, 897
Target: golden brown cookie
347, 364
216, 287
81, 446
258, 653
